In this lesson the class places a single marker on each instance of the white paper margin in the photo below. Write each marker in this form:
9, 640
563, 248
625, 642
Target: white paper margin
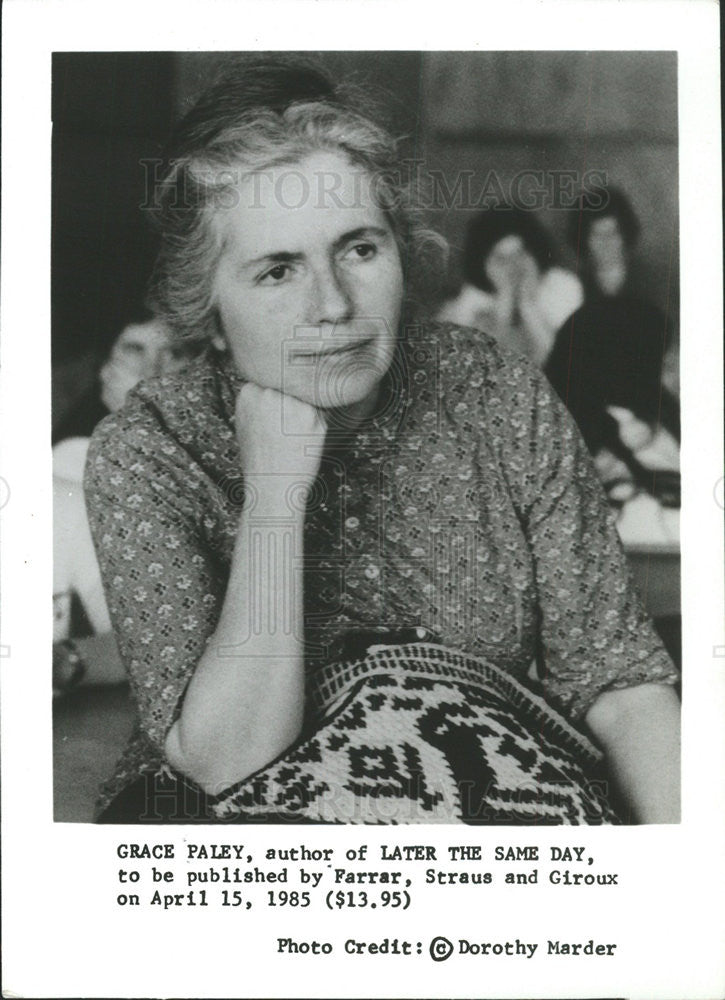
63, 936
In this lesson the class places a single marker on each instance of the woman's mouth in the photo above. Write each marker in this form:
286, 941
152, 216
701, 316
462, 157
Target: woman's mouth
334, 351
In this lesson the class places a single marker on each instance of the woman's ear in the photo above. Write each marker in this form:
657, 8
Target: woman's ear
217, 339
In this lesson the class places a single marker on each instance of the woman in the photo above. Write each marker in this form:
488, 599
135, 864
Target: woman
605, 232
511, 290
636, 351
609, 364
334, 546
143, 349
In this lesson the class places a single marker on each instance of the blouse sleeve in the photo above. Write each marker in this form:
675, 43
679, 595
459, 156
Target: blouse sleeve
162, 585
595, 634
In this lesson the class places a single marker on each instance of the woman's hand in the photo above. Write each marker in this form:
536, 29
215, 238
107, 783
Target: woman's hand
278, 435
527, 280
633, 432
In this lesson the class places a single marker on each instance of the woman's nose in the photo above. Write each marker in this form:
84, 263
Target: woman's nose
332, 302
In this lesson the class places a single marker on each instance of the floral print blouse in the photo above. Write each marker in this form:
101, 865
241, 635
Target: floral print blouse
467, 504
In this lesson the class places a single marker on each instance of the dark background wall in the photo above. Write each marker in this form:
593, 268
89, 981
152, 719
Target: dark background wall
110, 112
462, 111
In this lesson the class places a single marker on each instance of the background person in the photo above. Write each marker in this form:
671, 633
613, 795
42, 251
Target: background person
608, 365
512, 289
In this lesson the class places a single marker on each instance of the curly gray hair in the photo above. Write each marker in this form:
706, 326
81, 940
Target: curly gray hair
264, 114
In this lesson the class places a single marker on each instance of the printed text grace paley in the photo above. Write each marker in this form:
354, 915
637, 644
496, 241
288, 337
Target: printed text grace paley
396, 852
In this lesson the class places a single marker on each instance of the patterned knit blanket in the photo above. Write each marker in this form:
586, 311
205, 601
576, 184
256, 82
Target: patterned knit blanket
420, 733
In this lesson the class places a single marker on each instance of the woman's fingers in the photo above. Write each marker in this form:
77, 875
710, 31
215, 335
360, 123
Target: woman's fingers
278, 434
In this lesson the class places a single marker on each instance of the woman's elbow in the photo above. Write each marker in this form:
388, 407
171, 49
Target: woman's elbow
197, 763
214, 761
172, 749
639, 730
623, 708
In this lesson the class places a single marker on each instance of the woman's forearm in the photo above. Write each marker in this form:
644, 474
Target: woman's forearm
244, 703
639, 730
537, 329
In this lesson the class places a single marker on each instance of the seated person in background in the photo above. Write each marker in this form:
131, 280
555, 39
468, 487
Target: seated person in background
141, 350
84, 647
607, 366
605, 236
511, 290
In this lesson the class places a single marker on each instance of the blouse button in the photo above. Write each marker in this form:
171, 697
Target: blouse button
372, 572
352, 523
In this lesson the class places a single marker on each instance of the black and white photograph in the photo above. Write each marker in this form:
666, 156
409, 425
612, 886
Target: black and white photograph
362, 529
375, 454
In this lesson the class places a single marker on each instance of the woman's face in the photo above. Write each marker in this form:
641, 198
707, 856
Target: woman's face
605, 243
309, 285
509, 263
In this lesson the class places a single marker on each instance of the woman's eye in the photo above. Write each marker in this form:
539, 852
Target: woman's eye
362, 251
275, 274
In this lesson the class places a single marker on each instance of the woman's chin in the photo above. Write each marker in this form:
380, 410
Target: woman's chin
346, 410
345, 388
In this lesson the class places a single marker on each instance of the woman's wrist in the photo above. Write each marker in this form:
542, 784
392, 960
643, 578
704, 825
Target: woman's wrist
273, 494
